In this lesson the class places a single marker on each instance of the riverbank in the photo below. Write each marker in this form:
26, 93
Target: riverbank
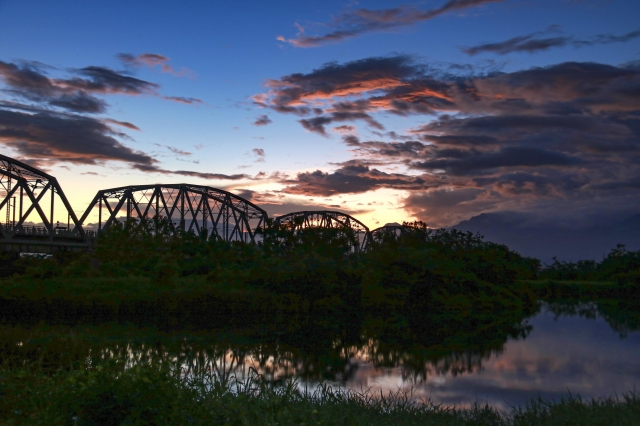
193, 298
150, 394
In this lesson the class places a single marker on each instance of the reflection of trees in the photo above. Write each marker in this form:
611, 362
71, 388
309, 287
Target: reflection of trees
619, 318
460, 352
315, 354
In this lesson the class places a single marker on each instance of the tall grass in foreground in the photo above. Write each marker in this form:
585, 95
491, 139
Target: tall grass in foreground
109, 394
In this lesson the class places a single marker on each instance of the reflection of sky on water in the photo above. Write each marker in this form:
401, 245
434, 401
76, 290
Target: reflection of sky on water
583, 356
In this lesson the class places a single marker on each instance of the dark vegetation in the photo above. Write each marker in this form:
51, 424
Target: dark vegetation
620, 266
147, 267
156, 395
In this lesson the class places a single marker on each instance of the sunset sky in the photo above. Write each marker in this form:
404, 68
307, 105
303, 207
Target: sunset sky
437, 110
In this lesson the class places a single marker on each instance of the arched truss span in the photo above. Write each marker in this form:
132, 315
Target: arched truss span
197, 208
327, 219
29, 195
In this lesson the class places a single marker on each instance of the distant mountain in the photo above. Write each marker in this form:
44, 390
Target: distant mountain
545, 240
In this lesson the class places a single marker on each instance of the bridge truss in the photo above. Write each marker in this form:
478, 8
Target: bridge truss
328, 220
389, 232
29, 196
219, 214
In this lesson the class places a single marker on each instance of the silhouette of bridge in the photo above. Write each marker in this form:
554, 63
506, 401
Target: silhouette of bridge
28, 193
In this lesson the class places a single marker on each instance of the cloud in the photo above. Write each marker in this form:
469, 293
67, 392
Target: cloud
277, 203
441, 207
201, 175
532, 43
523, 139
355, 23
153, 60
29, 80
461, 162
610, 38
345, 129
317, 124
259, 153
178, 151
342, 92
58, 124
387, 150
183, 100
123, 124
64, 137
262, 120
80, 102
518, 44
107, 81
351, 178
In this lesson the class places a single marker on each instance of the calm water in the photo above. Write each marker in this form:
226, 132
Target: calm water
556, 354
568, 353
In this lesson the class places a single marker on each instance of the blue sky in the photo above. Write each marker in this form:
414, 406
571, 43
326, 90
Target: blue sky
231, 62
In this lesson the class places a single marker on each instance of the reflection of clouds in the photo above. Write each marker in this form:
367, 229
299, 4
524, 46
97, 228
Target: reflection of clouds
570, 354
582, 356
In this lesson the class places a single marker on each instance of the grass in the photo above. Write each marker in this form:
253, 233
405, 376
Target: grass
151, 394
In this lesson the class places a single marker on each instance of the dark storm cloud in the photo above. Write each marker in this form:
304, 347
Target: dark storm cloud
533, 43
80, 102
465, 162
488, 127
361, 21
442, 206
389, 150
351, 178
469, 140
67, 137
262, 120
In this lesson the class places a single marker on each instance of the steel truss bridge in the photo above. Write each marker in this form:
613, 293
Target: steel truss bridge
31, 199
202, 209
298, 221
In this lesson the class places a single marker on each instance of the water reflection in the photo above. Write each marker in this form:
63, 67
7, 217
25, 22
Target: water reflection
586, 349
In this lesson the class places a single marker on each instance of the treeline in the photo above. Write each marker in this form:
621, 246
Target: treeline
449, 274
621, 266
284, 260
